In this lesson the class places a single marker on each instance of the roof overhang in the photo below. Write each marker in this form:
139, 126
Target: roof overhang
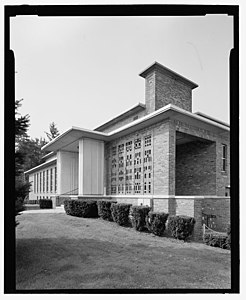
71, 136
135, 109
74, 134
44, 165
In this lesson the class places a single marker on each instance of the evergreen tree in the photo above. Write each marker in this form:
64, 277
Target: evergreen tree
21, 185
54, 132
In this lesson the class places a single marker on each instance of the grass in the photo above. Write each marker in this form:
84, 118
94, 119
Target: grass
56, 251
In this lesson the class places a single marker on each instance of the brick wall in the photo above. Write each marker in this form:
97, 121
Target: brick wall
196, 168
219, 207
164, 159
161, 90
171, 91
222, 178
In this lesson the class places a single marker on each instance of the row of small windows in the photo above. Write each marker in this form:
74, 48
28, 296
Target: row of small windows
45, 177
137, 145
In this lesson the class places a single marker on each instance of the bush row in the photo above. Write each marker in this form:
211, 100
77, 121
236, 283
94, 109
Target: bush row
139, 217
45, 203
218, 240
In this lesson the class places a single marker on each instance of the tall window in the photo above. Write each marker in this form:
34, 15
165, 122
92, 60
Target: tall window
40, 182
35, 183
43, 181
47, 181
55, 179
51, 180
224, 155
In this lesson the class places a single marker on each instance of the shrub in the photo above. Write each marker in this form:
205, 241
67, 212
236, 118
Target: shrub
228, 238
215, 239
45, 203
138, 216
120, 213
104, 210
68, 206
156, 222
81, 208
181, 227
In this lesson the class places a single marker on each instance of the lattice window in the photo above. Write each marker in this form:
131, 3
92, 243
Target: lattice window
114, 150
121, 162
137, 187
137, 143
147, 141
128, 146
114, 163
121, 149
113, 189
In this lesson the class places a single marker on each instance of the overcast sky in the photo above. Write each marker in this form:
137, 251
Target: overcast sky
83, 71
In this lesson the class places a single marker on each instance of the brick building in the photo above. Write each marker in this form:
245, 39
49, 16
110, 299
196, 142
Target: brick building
158, 154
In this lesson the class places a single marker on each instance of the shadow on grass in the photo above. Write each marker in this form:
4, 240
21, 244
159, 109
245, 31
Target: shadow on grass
62, 263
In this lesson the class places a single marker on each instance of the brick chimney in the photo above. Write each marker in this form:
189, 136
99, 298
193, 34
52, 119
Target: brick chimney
163, 87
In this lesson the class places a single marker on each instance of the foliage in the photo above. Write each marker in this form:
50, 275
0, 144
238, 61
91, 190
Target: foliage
53, 133
104, 210
45, 203
120, 213
181, 227
22, 122
81, 208
228, 239
29, 153
138, 216
215, 240
21, 186
156, 222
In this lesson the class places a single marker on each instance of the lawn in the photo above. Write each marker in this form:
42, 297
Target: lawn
56, 251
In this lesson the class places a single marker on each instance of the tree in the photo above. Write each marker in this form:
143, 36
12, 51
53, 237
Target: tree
54, 132
21, 123
21, 185
30, 152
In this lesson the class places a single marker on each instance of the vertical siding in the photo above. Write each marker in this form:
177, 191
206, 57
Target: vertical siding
91, 167
68, 172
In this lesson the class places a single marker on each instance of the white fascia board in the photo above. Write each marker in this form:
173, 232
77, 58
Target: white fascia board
51, 162
76, 133
163, 110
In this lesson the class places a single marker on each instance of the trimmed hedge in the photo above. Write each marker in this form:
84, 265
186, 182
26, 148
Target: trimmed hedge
228, 239
81, 208
181, 227
156, 222
45, 203
104, 210
215, 240
138, 216
221, 240
120, 213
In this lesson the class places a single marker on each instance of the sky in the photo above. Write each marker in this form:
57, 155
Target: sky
83, 71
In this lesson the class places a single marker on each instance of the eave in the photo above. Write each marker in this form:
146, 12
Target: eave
169, 111
135, 109
44, 165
